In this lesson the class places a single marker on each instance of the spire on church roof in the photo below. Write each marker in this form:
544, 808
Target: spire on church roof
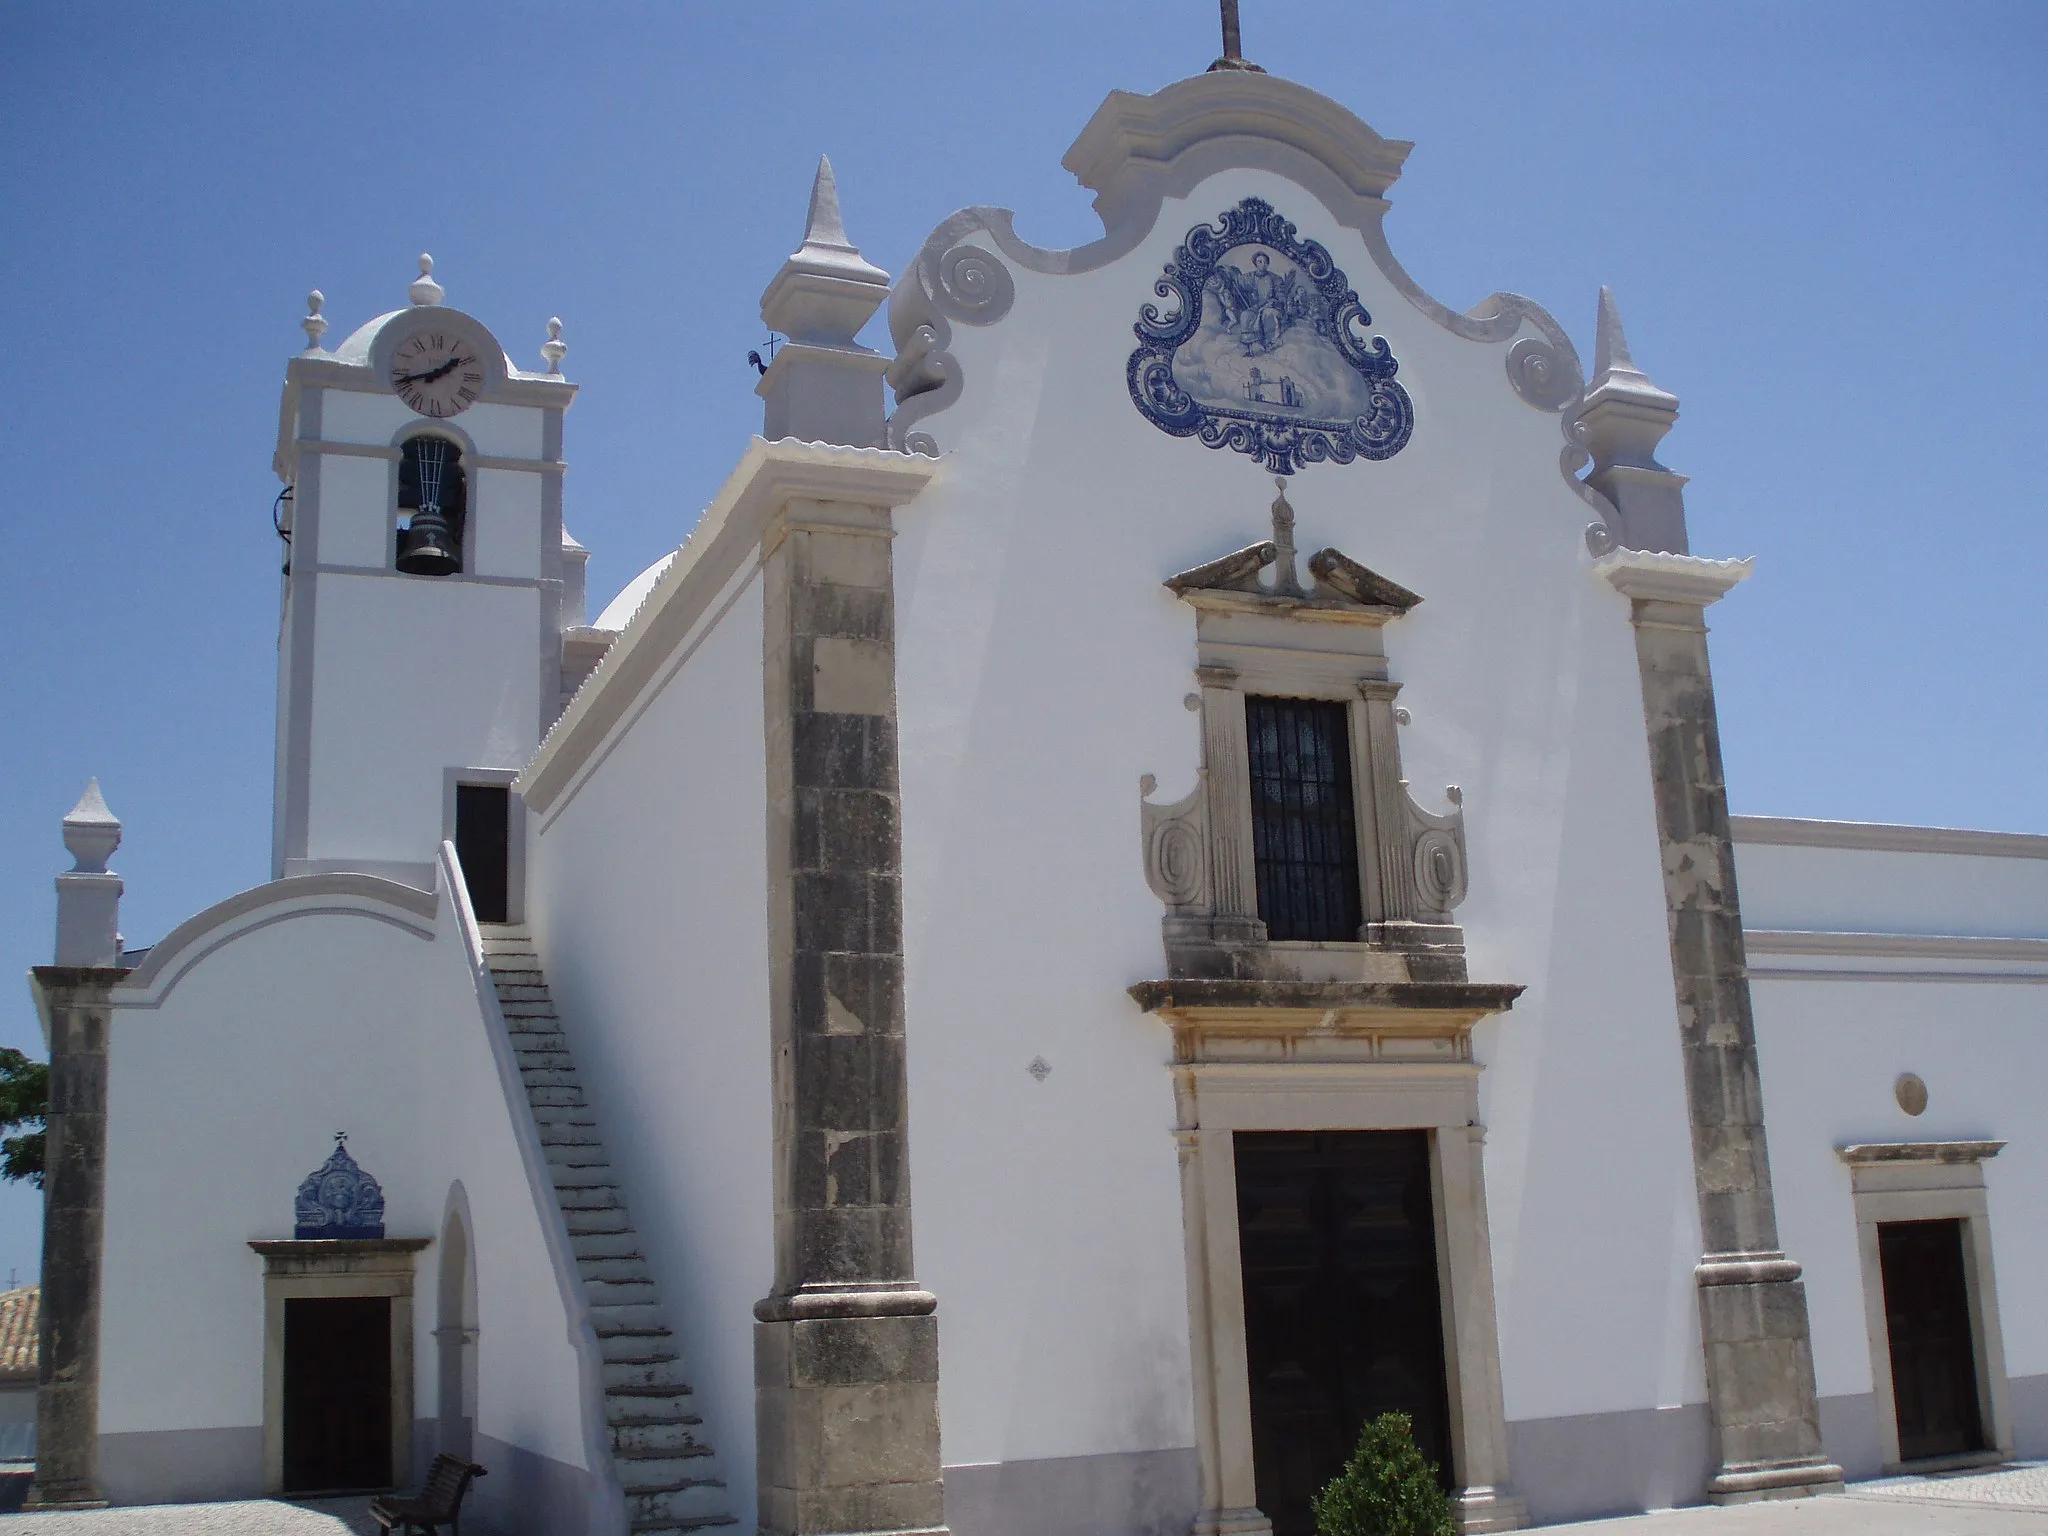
554, 349
424, 289
826, 291
91, 832
314, 325
1622, 421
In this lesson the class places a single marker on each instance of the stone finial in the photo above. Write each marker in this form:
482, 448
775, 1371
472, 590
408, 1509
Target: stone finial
424, 289
314, 325
1284, 579
824, 386
554, 349
88, 894
826, 291
91, 832
1622, 421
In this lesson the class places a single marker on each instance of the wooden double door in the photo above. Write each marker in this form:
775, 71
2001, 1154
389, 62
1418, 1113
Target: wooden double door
1343, 1317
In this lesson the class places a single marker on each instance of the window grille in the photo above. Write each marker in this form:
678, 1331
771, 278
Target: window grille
1304, 832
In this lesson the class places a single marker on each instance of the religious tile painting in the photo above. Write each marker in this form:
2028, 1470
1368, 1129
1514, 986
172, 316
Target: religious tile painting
1263, 350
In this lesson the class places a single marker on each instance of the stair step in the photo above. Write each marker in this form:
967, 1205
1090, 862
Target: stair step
623, 1293
555, 1096
573, 1154
644, 1459
699, 1498
696, 1523
596, 1219
632, 1393
637, 1349
618, 1269
592, 1197
548, 1077
654, 1371
606, 1245
633, 1317
577, 1133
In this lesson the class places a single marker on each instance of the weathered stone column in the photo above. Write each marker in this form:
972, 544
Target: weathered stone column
846, 1350
1753, 1320
72, 996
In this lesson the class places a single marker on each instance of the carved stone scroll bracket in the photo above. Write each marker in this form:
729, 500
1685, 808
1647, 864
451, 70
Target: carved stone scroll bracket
953, 281
1177, 848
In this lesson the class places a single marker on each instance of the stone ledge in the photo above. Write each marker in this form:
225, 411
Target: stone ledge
1194, 995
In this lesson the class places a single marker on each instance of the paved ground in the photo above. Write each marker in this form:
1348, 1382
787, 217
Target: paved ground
2012, 1501
255, 1517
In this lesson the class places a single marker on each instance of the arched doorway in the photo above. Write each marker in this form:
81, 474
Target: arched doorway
455, 1330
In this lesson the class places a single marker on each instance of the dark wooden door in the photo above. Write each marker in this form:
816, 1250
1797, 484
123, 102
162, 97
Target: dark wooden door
483, 846
1341, 1316
1927, 1321
337, 1393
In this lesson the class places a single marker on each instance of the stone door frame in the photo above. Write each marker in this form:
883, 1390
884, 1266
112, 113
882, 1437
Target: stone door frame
1218, 1099
1931, 1181
298, 1269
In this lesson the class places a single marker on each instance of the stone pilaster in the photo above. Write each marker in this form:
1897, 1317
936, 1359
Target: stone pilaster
846, 1347
1753, 1319
74, 1003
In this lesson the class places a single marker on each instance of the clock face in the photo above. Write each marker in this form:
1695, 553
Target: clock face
437, 372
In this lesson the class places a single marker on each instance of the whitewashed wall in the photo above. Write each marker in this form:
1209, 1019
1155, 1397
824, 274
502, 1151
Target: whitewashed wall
647, 891
227, 1093
1042, 670
1832, 1048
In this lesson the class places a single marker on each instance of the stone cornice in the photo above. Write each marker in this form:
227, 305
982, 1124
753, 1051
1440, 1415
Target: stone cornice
1795, 832
1325, 1006
1656, 576
1863, 1153
727, 538
1893, 946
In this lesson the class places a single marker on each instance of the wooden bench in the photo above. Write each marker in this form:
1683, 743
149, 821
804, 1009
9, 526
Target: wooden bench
438, 1503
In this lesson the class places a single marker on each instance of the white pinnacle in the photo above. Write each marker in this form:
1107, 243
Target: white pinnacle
424, 289
1610, 345
91, 832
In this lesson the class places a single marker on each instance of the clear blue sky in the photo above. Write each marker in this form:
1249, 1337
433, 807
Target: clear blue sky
1824, 220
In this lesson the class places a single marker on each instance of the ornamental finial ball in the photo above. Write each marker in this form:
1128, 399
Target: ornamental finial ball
554, 348
424, 289
313, 325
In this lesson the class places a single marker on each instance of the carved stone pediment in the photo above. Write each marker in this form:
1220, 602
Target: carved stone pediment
1218, 1021
1342, 587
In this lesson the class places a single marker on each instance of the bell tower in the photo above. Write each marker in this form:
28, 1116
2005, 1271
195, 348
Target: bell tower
428, 584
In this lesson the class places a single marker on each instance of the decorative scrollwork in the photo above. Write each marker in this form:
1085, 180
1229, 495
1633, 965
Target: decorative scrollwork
1542, 375
1201, 366
974, 286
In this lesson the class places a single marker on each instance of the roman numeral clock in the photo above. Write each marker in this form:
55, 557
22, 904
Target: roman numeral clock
436, 369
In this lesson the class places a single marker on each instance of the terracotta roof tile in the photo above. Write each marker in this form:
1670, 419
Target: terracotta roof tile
20, 1322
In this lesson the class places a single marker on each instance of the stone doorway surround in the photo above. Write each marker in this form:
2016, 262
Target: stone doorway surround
1326, 1056
365, 1266
1931, 1181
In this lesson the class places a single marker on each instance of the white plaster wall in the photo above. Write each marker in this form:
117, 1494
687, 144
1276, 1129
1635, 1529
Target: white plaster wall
1042, 670
360, 416
355, 510
648, 896
224, 1097
412, 677
1830, 1053
503, 529
1860, 890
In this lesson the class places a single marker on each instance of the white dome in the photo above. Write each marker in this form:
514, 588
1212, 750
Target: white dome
618, 613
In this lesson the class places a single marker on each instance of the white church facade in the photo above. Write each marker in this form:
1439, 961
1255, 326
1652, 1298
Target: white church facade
1021, 981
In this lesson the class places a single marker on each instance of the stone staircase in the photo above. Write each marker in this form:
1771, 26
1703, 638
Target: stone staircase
662, 1460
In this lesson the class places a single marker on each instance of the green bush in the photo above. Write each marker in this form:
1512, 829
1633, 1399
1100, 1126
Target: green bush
1387, 1488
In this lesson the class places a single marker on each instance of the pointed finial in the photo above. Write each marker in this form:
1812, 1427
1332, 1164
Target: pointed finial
1284, 579
1610, 345
554, 349
313, 325
424, 289
825, 225
825, 292
91, 832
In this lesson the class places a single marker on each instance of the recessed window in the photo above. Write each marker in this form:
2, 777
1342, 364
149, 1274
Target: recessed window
433, 507
1304, 832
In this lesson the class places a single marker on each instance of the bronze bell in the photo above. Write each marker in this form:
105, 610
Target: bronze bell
431, 546
426, 550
